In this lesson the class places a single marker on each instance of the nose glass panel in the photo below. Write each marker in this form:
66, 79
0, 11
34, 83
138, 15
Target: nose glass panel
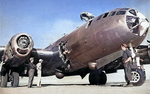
132, 23
138, 24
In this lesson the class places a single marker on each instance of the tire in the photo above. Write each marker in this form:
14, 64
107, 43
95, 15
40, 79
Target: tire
138, 77
15, 79
4, 79
103, 79
92, 78
97, 78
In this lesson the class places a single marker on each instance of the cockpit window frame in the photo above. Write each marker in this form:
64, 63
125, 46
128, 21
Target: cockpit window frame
133, 12
105, 15
112, 13
147, 20
121, 13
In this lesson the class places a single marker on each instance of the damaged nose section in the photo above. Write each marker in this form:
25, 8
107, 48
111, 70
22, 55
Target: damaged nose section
62, 53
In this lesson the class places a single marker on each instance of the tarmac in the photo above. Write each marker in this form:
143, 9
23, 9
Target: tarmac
111, 88
76, 85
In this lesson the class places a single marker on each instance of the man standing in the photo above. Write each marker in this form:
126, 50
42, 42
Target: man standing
126, 60
39, 67
31, 67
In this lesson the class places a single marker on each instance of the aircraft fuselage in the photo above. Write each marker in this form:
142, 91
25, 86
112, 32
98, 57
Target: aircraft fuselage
100, 37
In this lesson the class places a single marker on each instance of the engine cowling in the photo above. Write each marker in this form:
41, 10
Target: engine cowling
21, 44
18, 48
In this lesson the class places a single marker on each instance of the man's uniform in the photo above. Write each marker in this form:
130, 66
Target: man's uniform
39, 67
127, 67
31, 67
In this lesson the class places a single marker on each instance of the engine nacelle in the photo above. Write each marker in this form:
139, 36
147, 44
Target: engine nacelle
18, 48
144, 53
59, 74
21, 44
92, 65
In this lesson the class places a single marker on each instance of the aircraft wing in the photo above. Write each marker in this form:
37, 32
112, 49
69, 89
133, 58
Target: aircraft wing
17, 51
16, 54
20, 48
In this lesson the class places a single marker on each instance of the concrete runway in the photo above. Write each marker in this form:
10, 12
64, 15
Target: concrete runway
82, 88
76, 85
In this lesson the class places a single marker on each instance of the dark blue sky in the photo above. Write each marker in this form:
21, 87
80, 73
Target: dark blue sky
48, 20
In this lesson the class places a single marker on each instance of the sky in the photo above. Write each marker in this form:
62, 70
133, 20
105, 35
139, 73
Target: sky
48, 20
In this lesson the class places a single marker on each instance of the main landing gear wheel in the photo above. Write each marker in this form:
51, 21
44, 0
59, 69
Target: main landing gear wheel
4, 76
4, 79
97, 78
15, 79
138, 77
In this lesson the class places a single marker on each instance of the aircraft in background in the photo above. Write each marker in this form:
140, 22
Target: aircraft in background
92, 48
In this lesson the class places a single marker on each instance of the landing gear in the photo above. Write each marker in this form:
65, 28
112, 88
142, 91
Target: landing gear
138, 77
138, 74
4, 79
97, 77
9, 76
4, 76
15, 79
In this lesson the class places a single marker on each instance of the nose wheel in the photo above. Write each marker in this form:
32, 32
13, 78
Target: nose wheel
135, 76
138, 77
